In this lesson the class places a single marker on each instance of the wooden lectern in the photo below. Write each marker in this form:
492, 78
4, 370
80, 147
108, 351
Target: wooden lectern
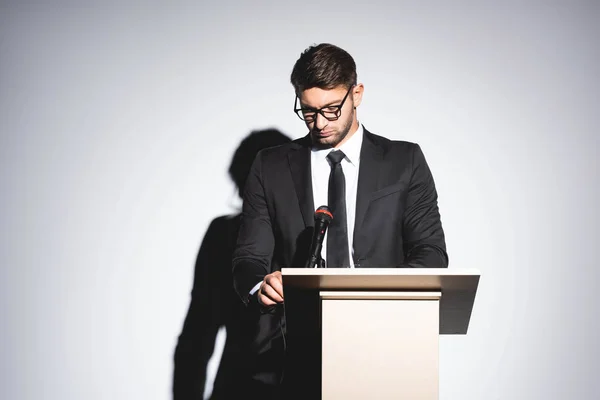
378, 327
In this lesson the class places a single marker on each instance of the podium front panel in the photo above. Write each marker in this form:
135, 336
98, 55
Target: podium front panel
378, 348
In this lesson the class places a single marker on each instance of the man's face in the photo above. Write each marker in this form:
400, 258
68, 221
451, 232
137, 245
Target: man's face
328, 133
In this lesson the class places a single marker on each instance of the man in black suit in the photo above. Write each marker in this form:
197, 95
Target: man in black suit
381, 193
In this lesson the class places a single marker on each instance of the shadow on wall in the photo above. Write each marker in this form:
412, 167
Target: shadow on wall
214, 303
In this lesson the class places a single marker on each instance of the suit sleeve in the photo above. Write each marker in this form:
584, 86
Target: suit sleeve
254, 250
424, 241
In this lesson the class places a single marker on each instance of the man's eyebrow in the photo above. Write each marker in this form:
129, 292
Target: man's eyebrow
331, 103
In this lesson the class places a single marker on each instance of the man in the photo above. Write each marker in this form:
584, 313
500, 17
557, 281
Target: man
381, 193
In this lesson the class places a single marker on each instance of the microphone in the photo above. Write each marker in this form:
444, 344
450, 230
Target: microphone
323, 217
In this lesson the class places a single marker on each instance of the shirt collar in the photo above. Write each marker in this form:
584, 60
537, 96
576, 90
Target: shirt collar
351, 148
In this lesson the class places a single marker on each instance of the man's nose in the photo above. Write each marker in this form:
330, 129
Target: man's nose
320, 122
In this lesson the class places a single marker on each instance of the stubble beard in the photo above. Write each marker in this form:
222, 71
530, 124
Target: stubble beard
336, 138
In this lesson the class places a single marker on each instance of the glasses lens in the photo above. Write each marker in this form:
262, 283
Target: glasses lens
331, 115
308, 116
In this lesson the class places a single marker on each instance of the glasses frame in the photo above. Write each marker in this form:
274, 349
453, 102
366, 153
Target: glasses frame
338, 113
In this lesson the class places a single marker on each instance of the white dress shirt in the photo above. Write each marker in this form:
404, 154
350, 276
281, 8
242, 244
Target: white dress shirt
320, 169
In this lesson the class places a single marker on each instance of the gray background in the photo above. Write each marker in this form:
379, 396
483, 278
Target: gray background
118, 122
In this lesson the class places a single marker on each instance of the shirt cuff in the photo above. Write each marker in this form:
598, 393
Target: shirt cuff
255, 288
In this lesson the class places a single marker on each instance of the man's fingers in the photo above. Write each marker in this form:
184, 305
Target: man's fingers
265, 301
271, 293
271, 290
275, 281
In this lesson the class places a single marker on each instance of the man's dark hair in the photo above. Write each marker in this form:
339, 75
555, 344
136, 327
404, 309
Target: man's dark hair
324, 66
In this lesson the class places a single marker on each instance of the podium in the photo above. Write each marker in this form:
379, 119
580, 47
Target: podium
375, 331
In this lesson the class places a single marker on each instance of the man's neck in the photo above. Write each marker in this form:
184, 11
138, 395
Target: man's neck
351, 133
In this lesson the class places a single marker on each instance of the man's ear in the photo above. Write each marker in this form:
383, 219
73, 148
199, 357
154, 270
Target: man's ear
357, 94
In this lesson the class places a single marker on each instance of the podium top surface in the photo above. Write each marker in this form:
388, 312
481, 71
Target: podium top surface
458, 286
381, 278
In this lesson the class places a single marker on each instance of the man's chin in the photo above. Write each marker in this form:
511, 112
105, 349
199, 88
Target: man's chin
325, 142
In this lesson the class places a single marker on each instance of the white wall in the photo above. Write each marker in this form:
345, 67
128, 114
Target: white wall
118, 123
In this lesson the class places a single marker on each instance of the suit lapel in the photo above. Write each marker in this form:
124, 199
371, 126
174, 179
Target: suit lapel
299, 162
371, 155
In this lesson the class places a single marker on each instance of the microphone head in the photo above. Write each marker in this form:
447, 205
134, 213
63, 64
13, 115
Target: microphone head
323, 213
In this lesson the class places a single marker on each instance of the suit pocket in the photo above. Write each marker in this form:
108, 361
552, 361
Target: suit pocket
388, 190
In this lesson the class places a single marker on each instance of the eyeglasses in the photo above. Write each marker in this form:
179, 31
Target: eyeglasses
331, 113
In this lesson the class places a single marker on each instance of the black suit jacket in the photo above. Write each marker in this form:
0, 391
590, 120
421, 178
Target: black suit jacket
397, 224
397, 219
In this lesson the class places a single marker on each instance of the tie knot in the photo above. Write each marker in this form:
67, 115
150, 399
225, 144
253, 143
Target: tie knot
335, 157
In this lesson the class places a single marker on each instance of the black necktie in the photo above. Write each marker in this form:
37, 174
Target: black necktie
337, 236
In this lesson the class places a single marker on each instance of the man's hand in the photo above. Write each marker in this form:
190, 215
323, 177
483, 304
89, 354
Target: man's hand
271, 290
